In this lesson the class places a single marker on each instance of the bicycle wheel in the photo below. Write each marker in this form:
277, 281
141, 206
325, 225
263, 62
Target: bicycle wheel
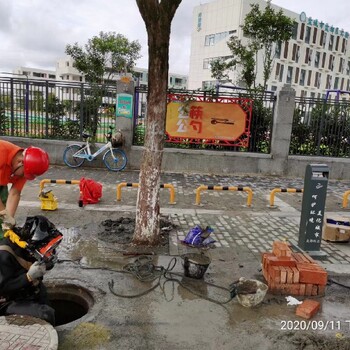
69, 159
115, 159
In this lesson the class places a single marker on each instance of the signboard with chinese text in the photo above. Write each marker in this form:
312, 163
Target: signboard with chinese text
221, 121
124, 105
313, 206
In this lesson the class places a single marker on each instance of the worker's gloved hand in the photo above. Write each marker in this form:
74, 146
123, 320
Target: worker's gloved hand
36, 271
8, 222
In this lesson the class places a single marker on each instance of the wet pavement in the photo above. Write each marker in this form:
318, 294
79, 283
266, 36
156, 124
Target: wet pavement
182, 313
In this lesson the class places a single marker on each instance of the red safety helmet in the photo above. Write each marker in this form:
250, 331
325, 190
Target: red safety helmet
35, 162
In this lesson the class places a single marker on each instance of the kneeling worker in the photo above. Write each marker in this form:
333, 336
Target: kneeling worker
26, 254
17, 165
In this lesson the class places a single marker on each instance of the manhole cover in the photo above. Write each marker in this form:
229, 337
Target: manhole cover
26, 332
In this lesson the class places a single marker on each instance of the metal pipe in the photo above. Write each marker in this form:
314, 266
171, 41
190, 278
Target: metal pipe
289, 190
224, 188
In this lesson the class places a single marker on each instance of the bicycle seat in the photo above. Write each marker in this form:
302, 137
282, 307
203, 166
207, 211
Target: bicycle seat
85, 136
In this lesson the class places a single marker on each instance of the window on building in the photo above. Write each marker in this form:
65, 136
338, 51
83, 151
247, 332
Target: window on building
336, 82
343, 47
348, 68
321, 37
67, 63
309, 78
278, 67
317, 59
52, 76
281, 73
331, 62
307, 55
199, 21
296, 79
330, 44
312, 95
341, 65
289, 75
285, 53
329, 82
273, 88
278, 50
324, 60
348, 85
294, 52
324, 40
295, 31
314, 36
307, 34
208, 84
342, 84
209, 40
317, 82
337, 43
302, 31
302, 77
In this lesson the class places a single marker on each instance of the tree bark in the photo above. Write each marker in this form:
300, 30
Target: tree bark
157, 15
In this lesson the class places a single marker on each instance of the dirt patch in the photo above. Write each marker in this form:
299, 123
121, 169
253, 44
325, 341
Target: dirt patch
121, 231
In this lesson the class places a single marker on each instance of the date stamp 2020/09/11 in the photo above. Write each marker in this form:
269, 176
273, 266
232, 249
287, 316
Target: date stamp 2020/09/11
312, 325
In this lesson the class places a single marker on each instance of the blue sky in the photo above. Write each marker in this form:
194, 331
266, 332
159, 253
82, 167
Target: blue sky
35, 32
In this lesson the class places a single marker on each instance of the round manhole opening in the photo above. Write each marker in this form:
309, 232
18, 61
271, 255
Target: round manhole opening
71, 302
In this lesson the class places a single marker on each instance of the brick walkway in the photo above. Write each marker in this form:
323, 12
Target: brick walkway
26, 333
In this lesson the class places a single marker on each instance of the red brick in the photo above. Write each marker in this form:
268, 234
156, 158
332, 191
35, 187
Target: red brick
280, 261
309, 259
302, 289
295, 275
321, 290
314, 290
276, 273
308, 308
308, 289
281, 249
312, 273
289, 275
283, 274
286, 289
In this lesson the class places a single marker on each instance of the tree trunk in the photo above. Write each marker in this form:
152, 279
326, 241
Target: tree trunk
157, 16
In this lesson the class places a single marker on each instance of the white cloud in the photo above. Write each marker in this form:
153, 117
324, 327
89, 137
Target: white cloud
35, 33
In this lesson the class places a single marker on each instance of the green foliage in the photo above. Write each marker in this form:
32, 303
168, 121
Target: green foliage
104, 56
323, 132
59, 127
262, 29
4, 121
87, 112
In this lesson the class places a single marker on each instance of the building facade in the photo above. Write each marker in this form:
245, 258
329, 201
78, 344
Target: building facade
315, 59
65, 71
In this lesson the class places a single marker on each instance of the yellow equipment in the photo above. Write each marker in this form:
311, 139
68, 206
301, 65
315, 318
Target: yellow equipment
48, 200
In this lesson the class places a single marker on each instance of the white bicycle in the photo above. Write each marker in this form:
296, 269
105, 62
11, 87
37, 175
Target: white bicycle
114, 158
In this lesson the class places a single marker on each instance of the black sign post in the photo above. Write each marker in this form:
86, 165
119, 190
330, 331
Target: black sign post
313, 206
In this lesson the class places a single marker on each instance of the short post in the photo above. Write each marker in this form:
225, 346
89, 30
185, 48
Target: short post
312, 212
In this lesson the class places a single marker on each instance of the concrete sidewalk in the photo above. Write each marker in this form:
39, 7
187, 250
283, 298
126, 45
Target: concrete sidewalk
170, 316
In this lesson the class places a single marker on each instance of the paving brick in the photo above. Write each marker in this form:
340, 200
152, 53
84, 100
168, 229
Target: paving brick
312, 273
308, 308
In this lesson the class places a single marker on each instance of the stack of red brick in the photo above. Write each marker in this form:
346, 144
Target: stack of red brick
292, 273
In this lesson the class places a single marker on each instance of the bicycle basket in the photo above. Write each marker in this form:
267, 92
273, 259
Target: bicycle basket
117, 140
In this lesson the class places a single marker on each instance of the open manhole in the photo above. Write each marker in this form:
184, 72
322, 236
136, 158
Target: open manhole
71, 302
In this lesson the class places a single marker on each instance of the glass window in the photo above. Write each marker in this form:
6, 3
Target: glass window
285, 54
302, 77
330, 44
317, 59
295, 30
337, 43
315, 35
302, 30
278, 50
281, 73
307, 34
296, 79
289, 75
199, 21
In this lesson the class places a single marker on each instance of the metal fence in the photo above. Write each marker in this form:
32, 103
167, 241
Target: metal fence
321, 128
55, 109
